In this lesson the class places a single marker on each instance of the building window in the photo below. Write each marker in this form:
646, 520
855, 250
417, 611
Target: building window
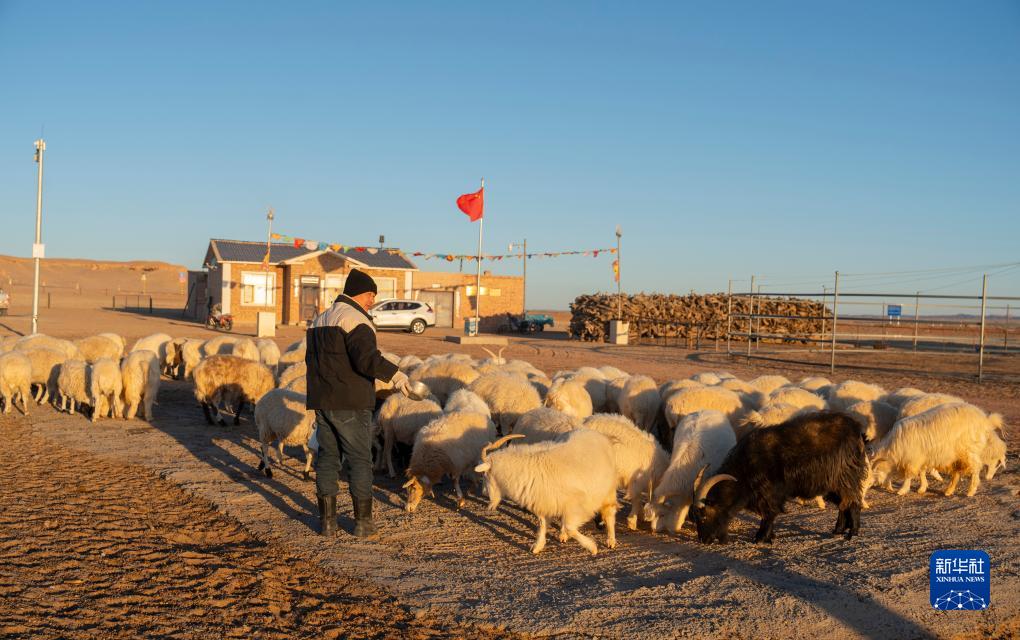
258, 288
387, 287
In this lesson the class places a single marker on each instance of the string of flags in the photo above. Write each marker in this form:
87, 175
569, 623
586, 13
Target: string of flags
315, 245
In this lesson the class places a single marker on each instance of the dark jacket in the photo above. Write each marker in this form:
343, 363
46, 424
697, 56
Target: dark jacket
343, 359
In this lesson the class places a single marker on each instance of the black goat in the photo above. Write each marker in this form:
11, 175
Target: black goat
818, 454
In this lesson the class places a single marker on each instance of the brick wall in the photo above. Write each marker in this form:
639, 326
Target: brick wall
501, 295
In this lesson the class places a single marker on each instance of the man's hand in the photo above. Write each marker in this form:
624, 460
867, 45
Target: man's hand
401, 383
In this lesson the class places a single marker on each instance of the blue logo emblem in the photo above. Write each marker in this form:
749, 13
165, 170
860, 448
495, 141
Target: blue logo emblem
960, 580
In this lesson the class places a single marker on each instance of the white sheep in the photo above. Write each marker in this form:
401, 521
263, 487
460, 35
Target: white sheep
42, 341
707, 378
571, 478
400, 419
45, 369
901, 396
638, 458
139, 373
614, 388
920, 404
770, 415
269, 352
290, 357
73, 383
159, 344
876, 418
293, 372
116, 337
246, 348
15, 379
464, 400
188, 356
93, 348
409, 363
950, 438
738, 386
281, 417
444, 376
595, 384
994, 455
570, 397
508, 396
668, 388
544, 423
798, 397
702, 439
221, 379
220, 346
447, 446
766, 384
814, 383
541, 382
612, 373
640, 401
687, 401
844, 394
104, 389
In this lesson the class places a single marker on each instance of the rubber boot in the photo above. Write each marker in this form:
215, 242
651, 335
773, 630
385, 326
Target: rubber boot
327, 516
363, 525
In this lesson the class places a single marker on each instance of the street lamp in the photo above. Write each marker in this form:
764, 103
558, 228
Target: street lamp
269, 239
38, 250
524, 254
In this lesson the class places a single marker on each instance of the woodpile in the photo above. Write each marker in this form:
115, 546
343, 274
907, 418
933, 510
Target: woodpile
691, 316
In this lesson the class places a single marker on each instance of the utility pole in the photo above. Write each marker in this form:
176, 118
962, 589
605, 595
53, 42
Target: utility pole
524, 255
38, 250
619, 285
269, 246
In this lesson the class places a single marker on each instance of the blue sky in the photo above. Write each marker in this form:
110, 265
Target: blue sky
784, 139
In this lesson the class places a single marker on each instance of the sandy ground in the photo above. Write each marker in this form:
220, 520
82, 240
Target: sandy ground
471, 567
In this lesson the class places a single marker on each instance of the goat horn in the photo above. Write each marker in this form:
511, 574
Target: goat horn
711, 482
488, 352
497, 444
501, 350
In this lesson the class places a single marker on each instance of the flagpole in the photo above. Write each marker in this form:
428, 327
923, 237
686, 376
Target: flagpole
478, 276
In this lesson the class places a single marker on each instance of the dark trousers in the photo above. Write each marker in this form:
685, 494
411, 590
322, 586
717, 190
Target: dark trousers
347, 432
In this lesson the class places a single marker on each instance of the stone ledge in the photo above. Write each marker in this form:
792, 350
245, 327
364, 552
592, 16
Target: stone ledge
477, 340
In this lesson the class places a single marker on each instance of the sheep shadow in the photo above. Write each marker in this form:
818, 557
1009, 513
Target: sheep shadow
181, 419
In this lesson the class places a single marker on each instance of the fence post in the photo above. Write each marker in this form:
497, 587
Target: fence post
750, 317
835, 319
729, 314
113, 305
757, 324
917, 306
49, 299
981, 346
825, 293
1005, 334
150, 305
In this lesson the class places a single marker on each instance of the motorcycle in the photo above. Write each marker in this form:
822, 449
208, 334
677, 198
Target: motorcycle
222, 322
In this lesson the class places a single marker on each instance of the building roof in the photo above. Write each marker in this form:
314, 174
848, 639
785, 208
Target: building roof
246, 251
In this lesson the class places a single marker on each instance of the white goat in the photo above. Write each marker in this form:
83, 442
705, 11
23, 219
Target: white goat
447, 446
640, 401
281, 417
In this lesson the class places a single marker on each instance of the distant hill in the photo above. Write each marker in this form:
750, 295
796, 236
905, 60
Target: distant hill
90, 276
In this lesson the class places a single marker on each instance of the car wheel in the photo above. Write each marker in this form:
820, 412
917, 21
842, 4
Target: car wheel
228, 325
418, 326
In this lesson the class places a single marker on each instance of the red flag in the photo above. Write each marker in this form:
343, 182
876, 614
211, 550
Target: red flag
472, 204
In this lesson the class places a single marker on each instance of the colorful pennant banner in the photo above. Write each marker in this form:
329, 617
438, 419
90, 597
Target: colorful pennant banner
314, 245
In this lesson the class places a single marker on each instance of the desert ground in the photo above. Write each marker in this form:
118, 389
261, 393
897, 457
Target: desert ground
127, 529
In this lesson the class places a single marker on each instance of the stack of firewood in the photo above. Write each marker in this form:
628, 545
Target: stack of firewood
658, 315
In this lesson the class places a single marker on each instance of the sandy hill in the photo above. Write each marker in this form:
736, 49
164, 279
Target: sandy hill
90, 276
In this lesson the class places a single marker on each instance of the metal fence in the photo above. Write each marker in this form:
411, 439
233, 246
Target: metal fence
855, 322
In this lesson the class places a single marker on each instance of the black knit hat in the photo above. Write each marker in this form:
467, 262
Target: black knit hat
359, 282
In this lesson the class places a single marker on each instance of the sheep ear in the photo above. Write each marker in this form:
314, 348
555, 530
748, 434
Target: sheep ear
410, 483
482, 468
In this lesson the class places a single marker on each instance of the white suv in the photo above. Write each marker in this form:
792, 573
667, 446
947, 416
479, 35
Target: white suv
412, 315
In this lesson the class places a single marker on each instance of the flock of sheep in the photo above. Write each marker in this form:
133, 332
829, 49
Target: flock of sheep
575, 439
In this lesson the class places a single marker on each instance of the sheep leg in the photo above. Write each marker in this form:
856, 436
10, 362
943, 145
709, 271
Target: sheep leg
388, 452
540, 537
634, 493
820, 501
766, 530
975, 475
237, 413
308, 462
955, 480
98, 410
681, 517
609, 517
908, 476
208, 413
264, 465
279, 454
460, 494
564, 536
584, 540
938, 476
24, 403
922, 487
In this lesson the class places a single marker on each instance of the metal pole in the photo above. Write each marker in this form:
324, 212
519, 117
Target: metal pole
269, 239
40, 148
981, 347
750, 317
835, 319
824, 309
524, 296
619, 276
729, 314
917, 307
478, 271
757, 322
